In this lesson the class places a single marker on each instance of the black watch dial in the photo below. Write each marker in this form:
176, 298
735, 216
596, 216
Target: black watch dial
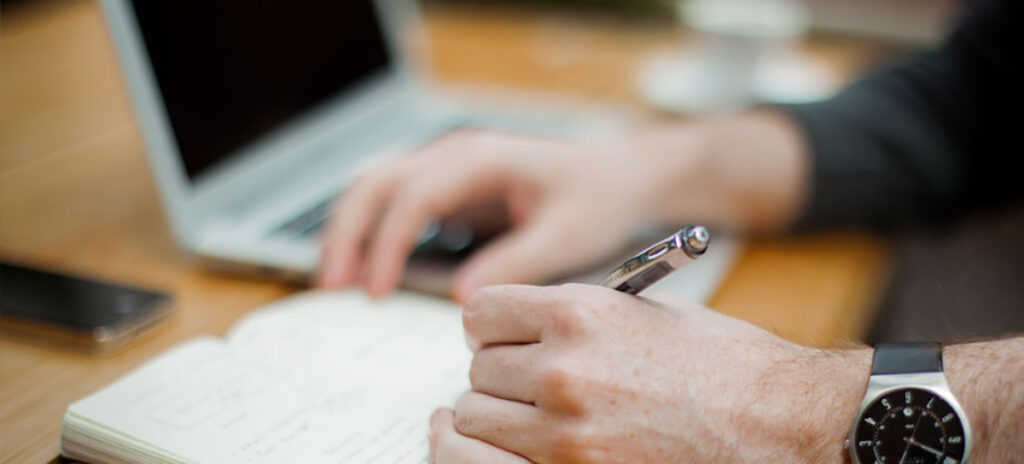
909, 426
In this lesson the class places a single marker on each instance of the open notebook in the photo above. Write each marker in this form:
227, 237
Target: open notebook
319, 377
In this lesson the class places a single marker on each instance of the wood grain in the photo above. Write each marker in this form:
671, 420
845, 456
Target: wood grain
76, 194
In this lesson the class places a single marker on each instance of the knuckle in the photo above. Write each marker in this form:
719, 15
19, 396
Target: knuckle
556, 380
464, 423
463, 406
568, 318
575, 444
412, 198
566, 324
577, 311
476, 369
484, 295
377, 181
562, 390
474, 308
482, 298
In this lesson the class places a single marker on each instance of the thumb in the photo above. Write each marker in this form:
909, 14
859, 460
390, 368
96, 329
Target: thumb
526, 255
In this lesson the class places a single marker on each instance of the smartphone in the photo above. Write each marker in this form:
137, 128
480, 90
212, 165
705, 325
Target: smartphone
74, 311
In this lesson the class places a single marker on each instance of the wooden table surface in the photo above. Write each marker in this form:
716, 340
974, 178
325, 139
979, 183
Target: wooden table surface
76, 194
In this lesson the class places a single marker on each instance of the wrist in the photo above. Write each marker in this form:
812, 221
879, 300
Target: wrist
668, 161
824, 401
746, 172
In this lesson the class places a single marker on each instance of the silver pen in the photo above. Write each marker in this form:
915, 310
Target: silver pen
658, 260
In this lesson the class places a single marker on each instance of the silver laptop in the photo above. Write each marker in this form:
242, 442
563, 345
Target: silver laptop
257, 114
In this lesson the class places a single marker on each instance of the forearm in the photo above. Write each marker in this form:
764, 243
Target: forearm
749, 171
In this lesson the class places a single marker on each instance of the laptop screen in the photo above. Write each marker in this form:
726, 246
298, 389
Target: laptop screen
231, 71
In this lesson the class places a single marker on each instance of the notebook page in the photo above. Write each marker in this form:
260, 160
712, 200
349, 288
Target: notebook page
205, 401
410, 347
319, 377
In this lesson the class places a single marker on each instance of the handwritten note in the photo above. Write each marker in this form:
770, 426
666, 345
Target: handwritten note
321, 378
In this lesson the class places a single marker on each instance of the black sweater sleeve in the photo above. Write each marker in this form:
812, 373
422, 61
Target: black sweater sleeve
928, 139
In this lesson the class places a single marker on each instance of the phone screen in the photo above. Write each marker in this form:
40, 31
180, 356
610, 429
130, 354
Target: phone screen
71, 302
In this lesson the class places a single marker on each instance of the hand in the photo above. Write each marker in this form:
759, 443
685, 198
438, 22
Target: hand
565, 205
580, 373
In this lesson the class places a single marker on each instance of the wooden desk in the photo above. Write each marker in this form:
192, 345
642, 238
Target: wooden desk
76, 195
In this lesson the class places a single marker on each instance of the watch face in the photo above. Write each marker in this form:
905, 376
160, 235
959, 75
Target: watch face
909, 426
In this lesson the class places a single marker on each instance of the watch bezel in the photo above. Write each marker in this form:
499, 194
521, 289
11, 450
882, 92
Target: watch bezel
932, 382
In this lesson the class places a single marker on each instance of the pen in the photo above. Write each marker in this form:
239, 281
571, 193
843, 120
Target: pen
658, 260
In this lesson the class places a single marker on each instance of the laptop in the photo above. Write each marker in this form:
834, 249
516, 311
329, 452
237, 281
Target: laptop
255, 115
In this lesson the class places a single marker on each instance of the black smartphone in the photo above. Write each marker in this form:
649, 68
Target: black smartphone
76, 311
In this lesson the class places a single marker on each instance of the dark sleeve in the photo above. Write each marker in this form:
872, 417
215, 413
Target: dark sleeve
926, 140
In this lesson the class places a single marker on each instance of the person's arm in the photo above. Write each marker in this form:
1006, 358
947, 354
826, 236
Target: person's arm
585, 374
986, 377
926, 140
988, 380
563, 205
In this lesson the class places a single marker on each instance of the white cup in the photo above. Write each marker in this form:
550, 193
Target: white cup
732, 39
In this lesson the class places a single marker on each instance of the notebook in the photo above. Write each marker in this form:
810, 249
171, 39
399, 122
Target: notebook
318, 377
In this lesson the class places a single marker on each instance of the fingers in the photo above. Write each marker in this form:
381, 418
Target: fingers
505, 314
380, 219
509, 425
507, 371
355, 215
447, 446
426, 196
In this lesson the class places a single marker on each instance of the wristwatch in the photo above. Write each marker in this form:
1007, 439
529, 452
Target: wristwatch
909, 415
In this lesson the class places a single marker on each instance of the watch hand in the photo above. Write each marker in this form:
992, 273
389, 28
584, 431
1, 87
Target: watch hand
905, 451
910, 440
923, 446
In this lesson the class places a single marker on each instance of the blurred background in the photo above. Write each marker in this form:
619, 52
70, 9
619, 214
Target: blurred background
66, 129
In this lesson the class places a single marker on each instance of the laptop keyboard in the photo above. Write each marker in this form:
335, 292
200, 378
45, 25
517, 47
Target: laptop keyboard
451, 239
309, 223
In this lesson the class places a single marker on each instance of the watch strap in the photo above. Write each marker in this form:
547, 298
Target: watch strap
907, 358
